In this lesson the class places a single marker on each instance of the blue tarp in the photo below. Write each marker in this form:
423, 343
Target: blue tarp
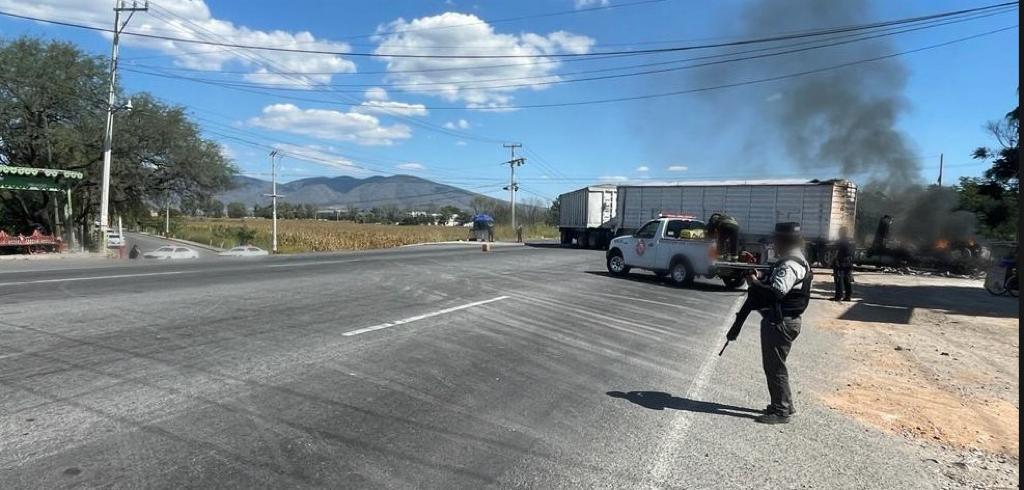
483, 218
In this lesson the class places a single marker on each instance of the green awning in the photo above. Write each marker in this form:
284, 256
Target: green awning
41, 172
36, 179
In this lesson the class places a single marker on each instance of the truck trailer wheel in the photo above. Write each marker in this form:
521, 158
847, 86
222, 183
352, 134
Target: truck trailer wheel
680, 273
616, 264
732, 282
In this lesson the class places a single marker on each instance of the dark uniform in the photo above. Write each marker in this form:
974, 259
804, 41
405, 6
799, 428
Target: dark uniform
781, 297
842, 269
726, 231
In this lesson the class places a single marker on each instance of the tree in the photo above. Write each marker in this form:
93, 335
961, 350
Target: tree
993, 197
237, 210
552, 216
52, 115
447, 212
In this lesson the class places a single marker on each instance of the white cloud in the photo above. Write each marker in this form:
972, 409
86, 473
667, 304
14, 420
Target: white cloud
377, 103
582, 4
410, 166
329, 125
467, 79
613, 178
391, 107
460, 124
643, 168
461, 143
773, 97
321, 155
193, 20
677, 168
375, 93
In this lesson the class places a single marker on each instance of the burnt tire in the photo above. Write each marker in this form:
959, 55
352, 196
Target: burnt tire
617, 264
680, 273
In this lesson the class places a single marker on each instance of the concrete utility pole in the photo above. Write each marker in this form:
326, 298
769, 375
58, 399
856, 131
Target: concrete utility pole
512, 185
167, 216
108, 135
273, 176
940, 169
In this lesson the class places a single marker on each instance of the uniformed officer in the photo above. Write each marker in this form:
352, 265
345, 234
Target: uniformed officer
783, 295
842, 266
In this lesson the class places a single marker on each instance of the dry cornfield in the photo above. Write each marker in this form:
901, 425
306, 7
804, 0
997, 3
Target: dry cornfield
296, 235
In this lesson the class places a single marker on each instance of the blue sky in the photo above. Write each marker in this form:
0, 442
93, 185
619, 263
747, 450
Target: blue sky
417, 116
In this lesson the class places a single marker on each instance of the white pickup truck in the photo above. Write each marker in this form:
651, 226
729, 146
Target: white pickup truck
660, 246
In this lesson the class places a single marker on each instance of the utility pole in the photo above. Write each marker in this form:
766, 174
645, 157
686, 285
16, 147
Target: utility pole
940, 169
273, 176
513, 186
108, 135
167, 216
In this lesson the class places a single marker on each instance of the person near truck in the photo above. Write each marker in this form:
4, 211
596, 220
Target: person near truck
781, 297
726, 231
842, 266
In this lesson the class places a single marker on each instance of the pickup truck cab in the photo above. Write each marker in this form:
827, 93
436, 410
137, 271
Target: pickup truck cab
672, 247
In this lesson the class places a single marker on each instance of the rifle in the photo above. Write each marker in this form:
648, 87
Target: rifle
755, 301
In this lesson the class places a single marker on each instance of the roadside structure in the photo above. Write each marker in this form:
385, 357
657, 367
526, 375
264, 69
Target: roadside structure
59, 182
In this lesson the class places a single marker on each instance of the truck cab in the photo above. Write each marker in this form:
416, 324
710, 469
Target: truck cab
670, 246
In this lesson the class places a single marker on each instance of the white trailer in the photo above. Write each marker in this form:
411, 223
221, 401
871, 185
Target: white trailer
586, 217
821, 207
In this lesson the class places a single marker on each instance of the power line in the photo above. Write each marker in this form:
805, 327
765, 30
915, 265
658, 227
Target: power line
778, 51
513, 56
629, 98
294, 88
266, 62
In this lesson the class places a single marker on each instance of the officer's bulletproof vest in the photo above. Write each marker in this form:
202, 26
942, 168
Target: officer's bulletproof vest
796, 300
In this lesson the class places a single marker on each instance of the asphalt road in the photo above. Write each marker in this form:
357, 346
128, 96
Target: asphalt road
148, 243
426, 367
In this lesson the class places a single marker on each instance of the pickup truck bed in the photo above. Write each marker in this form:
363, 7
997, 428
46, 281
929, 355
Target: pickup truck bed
656, 247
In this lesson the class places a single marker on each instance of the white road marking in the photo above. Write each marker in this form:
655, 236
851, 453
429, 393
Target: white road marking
680, 426
93, 278
421, 317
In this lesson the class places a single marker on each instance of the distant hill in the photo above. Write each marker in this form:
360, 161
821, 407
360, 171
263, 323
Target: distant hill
403, 191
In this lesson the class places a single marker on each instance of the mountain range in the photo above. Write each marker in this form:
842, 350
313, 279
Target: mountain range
402, 191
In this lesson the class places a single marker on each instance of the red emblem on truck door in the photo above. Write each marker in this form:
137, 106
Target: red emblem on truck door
641, 247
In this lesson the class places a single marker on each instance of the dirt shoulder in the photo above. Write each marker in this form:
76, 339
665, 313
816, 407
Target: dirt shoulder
931, 359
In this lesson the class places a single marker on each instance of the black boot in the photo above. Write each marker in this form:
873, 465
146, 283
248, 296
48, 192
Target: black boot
772, 419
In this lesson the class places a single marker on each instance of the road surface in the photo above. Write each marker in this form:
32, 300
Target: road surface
426, 367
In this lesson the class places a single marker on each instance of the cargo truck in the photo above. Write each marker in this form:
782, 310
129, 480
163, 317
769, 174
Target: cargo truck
821, 208
586, 217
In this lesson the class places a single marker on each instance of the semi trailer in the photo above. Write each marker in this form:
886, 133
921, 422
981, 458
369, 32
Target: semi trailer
586, 216
821, 207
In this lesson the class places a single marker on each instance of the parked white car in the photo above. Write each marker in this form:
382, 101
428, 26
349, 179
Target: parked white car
172, 252
114, 239
244, 251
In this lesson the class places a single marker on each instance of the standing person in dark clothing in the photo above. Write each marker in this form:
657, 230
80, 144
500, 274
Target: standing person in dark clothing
134, 253
726, 231
781, 297
842, 266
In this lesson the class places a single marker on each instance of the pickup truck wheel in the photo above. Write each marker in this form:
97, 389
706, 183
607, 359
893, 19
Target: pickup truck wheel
732, 282
617, 265
680, 273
